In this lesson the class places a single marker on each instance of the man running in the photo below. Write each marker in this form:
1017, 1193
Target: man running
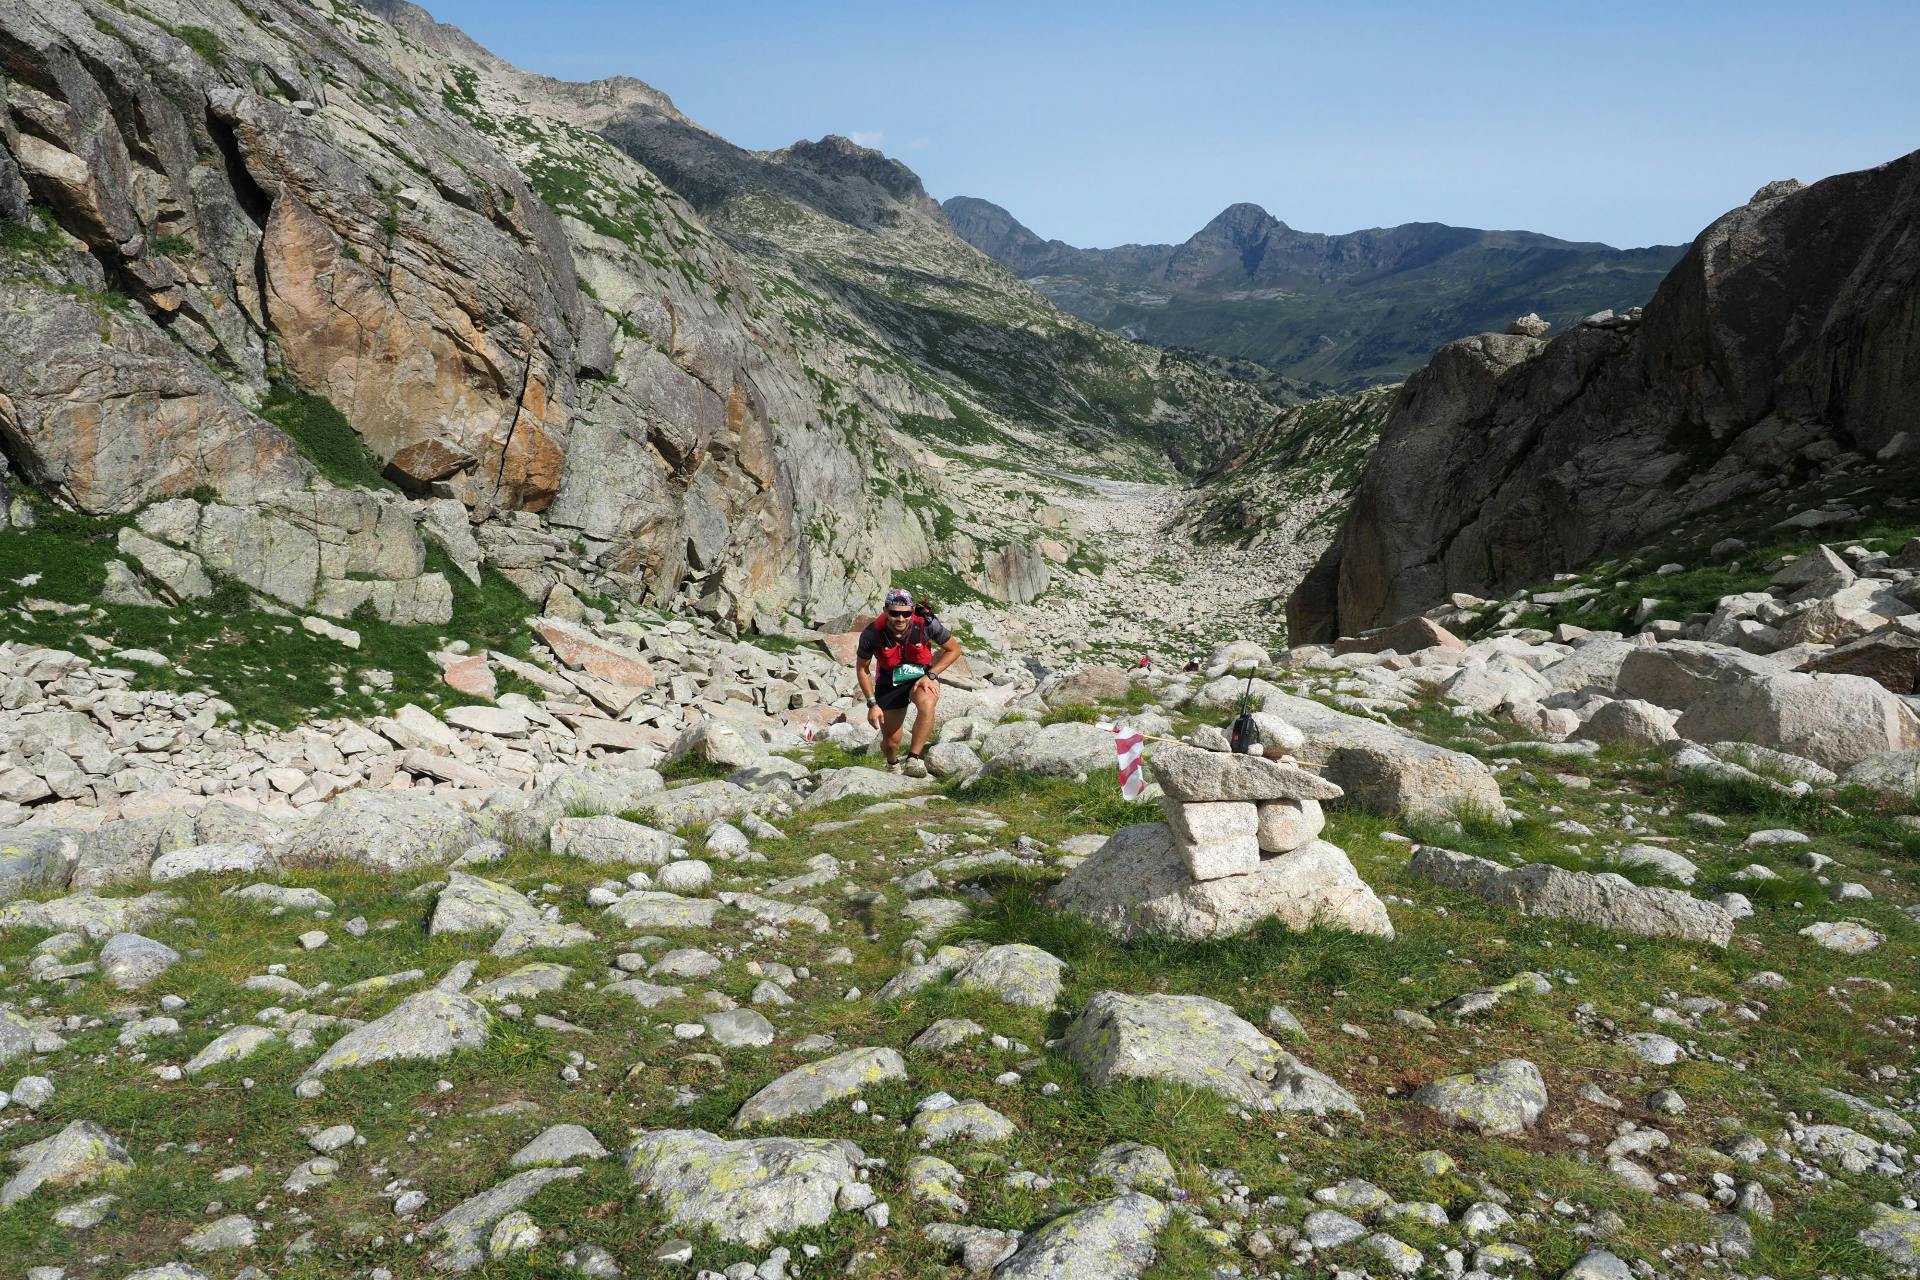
898, 666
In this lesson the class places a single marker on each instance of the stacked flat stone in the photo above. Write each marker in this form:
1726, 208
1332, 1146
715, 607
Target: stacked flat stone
1228, 811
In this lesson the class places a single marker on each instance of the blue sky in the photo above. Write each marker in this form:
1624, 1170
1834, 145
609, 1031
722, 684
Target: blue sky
1104, 123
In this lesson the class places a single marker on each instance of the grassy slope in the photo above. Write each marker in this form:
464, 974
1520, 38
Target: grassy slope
261, 662
1885, 520
1308, 452
633, 1065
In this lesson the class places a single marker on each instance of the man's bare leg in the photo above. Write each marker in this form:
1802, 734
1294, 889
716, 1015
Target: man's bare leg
891, 722
926, 696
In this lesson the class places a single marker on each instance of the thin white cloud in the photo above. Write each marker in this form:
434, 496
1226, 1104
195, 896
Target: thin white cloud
918, 144
867, 137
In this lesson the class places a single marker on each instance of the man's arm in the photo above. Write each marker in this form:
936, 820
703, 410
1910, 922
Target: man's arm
948, 654
863, 673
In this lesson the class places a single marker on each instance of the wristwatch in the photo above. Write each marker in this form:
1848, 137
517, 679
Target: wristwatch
873, 702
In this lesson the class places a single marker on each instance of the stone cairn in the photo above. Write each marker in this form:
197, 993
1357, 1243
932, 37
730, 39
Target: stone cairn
1229, 811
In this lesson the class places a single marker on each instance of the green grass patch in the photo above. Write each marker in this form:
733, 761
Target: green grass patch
263, 663
325, 437
36, 235
691, 768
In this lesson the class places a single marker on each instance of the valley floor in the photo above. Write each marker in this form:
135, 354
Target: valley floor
511, 1004
1149, 589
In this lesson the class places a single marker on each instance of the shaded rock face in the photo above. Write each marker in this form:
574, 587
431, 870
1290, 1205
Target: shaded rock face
1787, 325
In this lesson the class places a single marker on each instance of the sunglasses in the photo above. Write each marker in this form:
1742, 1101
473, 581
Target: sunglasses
896, 613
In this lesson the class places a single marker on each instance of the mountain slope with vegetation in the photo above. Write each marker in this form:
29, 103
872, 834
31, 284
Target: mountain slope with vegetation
226, 224
1291, 478
1340, 310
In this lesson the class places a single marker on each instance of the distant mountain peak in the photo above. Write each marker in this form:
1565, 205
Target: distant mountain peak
1345, 310
1241, 216
839, 157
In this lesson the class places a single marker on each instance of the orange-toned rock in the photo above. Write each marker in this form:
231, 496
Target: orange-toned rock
471, 676
844, 646
614, 699
401, 355
581, 650
1409, 635
419, 464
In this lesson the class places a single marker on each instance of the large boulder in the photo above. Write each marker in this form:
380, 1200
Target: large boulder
1191, 1040
1631, 722
33, 861
130, 961
805, 1089
81, 1153
1107, 1240
1844, 616
1236, 655
856, 780
98, 918
1065, 750
1897, 773
716, 742
386, 830
1136, 885
1407, 636
1606, 900
1384, 770
462, 1230
1487, 686
1505, 1098
1835, 721
592, 790
122, 852
1089, 686
612, 840
1894, 1234
473, 904
1016, 973
580, 649
1594, 665
427, 1026
746, 1192
1680, 673
1890, 658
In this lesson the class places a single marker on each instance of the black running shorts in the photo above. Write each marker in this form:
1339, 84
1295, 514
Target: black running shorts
896, 697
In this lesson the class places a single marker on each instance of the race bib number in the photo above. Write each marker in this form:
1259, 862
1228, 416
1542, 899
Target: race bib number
908, 672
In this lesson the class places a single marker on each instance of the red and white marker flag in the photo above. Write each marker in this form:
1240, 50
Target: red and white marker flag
1127, 745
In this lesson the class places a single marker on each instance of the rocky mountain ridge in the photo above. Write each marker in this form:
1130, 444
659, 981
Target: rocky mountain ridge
1780, 348
210, 205
1340, 310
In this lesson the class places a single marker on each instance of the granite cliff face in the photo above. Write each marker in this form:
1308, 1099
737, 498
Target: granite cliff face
1783, 344
205, 202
